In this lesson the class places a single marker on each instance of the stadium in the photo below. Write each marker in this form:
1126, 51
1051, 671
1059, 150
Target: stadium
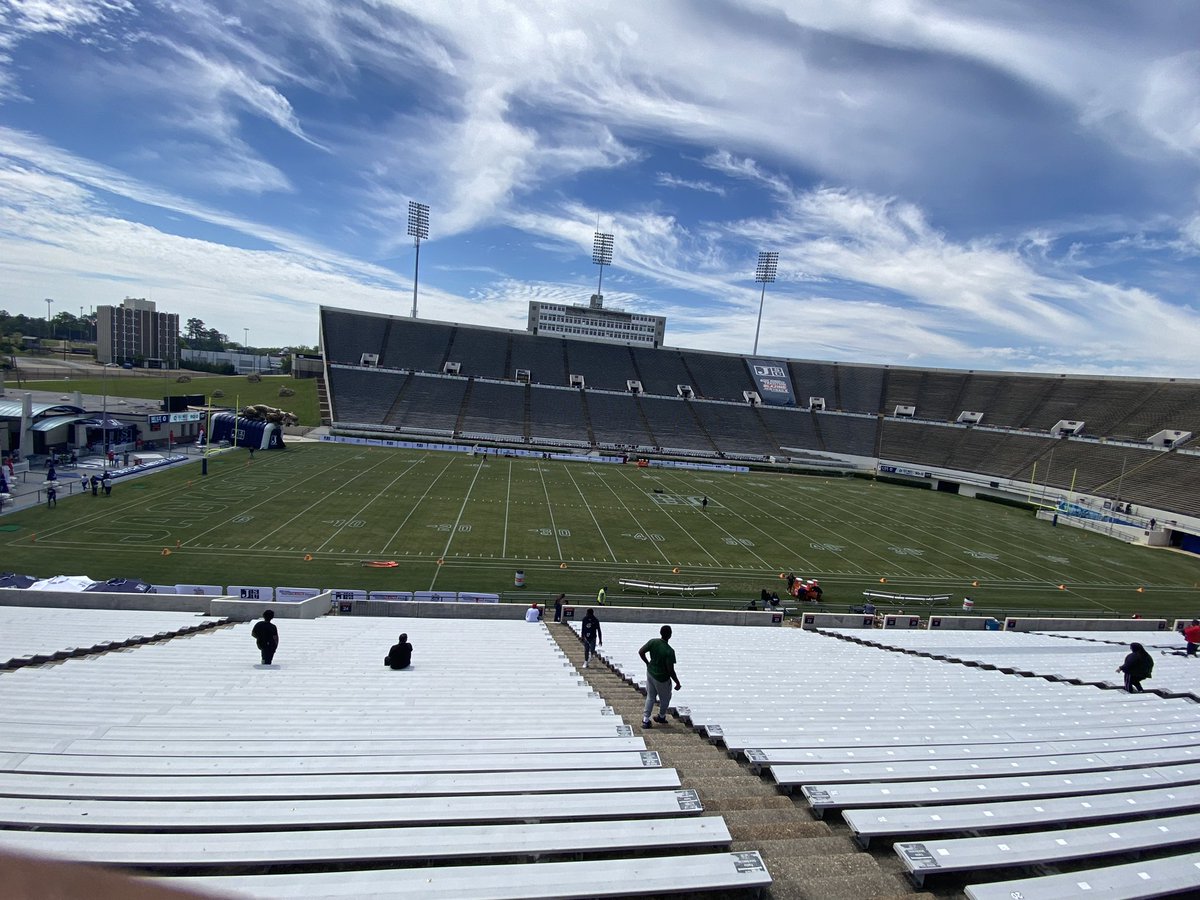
819, 748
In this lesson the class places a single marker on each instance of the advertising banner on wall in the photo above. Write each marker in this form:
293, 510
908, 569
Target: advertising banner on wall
773, 382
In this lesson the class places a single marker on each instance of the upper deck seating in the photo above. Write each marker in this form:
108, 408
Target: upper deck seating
413, 344
718, 376
660, 371
480, 351
814, 379
605, 367
542, 357
861, 388
347, 335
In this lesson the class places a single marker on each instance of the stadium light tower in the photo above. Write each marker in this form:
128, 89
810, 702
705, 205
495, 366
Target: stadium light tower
418, 230
768, 265
602, 245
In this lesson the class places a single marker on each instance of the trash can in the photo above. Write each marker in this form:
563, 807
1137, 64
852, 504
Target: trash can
968, 604
519, 578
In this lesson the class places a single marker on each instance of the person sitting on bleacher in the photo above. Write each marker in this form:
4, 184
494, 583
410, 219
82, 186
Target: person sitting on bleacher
1137, 668
533, 614
764, 597
400, 656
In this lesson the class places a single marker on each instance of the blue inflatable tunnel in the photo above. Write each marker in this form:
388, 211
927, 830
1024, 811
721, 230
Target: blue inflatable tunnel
243, 432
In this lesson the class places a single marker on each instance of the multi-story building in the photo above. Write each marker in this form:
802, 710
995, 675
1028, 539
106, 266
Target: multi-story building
135, 332
595, 323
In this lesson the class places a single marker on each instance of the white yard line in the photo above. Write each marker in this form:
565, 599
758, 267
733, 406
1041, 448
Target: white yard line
639, 525
420, 500
454, 527
364, 507
324, 498
550, 509
588, 507
507, 499
666, 512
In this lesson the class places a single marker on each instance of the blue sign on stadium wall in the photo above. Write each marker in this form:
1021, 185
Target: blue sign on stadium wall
773, 381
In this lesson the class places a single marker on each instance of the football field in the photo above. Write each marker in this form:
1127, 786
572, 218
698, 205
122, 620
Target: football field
317, 515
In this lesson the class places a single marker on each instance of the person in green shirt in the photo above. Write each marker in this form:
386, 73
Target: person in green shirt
660, 672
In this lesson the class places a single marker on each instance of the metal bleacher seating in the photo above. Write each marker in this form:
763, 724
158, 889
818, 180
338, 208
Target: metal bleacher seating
860, 388
557, 413
474, 773
848, 434
616, 419
660, 371
428, 402
735, 428
542, 357
673, 423
718, 376
416, 345
364, 395
495, 407
605, 367
480, 352
968, 769
29, 633
347, 335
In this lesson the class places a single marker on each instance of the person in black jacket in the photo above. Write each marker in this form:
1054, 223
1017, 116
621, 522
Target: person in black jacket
266, 635
1137, 668
400, 656
589, 630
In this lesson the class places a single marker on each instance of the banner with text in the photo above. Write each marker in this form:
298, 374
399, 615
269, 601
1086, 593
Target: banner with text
773, 381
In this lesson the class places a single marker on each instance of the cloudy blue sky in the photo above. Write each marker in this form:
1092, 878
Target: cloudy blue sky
991, 184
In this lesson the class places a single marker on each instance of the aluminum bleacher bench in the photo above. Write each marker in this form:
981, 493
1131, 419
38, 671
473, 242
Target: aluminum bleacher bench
627, 753
272, 848
761, 758
663, 587
908, 770
822, 797
1046, 847
651, 875
224, 815
1147, 878
308, 786
915, 821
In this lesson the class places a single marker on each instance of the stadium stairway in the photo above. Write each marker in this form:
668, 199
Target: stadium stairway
809, 859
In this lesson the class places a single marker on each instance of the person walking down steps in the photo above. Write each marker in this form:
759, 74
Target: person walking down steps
589, 630
659, 657
266, 635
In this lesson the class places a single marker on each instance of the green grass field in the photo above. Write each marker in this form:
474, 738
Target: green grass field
236, 388
575, 526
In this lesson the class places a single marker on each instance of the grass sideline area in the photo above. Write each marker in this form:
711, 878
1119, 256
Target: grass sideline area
454, 522
236, 388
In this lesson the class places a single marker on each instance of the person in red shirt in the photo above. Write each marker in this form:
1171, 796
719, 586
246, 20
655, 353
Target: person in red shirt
1191, 634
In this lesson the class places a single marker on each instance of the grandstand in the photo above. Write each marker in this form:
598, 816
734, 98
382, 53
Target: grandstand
1127, 439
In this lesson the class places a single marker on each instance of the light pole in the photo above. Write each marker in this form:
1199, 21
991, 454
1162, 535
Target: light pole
418, 230
602, 246
768, 265
49, 324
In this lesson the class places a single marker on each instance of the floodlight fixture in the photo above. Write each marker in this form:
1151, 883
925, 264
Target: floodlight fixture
602, 246
418, 230
768, 266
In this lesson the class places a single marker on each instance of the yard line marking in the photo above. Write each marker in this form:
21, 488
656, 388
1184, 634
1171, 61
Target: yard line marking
550, 508
639, 525
686, 531
507, 504
420, 500
363, 508
454, 527
588, 507
318, 502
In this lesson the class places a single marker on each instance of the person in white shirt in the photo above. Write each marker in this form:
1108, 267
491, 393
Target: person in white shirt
533, 614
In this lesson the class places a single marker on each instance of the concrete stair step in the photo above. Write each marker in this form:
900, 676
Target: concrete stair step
774, 830
835, 887
786, 848
723, 804
713, 788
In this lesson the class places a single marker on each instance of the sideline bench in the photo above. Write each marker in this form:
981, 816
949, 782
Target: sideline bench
666, 587
923, 599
